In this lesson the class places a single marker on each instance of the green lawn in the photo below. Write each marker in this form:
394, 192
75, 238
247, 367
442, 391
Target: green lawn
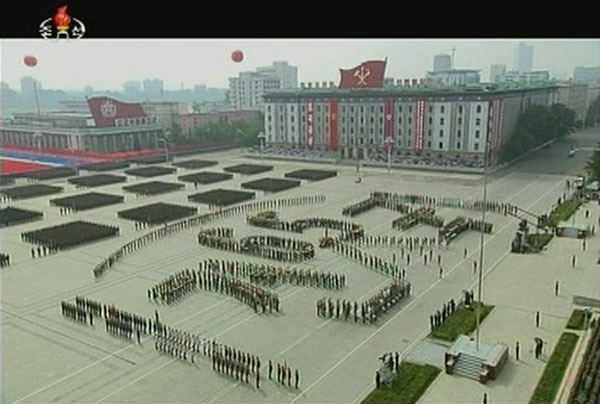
577, 320
462, 321
539, 241
411, 382
549, 384
563, 211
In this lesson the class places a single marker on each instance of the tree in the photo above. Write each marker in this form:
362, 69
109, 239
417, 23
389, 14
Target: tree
196, 108
592, 166
593, 113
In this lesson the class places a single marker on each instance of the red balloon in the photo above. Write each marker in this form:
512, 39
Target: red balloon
237, 56
30, 61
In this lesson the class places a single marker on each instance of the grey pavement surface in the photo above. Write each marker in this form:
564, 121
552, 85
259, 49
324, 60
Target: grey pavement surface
48, 358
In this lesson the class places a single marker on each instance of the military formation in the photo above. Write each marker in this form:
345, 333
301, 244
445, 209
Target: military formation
424, 214
42, 251
370, 310
270, 275
271, 247
459, 225
370, 261
184, 224
248, 293
174, 288
4, 260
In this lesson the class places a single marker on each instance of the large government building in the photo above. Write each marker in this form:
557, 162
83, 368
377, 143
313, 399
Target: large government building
361, 117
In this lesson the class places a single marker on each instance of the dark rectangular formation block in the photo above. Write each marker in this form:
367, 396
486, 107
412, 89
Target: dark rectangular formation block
271, 184
97, 180
30, 191
157, 213
70, 234
150, 171
14, 216
205, 177
154, 159
87, 201
4, 180
105, 166
195, 164
222, 197
153, 187
248, 169
311, 175
49, 173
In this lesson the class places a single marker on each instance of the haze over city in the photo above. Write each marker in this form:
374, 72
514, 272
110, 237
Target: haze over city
107, 64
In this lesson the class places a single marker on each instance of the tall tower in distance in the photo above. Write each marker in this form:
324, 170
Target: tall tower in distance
523, 60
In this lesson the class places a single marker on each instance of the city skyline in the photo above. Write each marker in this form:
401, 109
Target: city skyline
108, 64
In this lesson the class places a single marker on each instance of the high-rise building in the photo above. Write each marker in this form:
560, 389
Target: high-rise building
453, 77
442, 62
523, 61
132, 87
28, 85
496, 72
246, 91
153, 86
587, 75
524, 77
288, 75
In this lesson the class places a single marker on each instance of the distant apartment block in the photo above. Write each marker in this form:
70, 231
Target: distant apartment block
587, 75
190, 122
523, 58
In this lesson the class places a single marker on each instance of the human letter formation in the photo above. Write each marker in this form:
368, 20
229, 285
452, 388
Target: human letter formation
270, 275
370, 261
270, 220
174, 288
184, 224
370, 310
272, 247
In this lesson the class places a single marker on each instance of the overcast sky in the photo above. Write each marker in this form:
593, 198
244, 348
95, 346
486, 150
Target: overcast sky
107, 64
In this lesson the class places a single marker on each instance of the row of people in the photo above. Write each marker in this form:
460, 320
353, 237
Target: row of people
372, 202
184, 224
369, 260
74, 312
272, 275
4, 260
89, 305
174, 288
424, 215
438, 318
248, 293
43, 250
395, 241
270, 220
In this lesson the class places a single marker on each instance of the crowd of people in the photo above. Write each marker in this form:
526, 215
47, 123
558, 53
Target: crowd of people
248, 293
371, 261
375, 200
184, 224
271, 275
174, 288
42, 251
438, 318
180, 344
75, 312
4, 260
66, 211
424, 214
461, 224
269, 220
237, 364
370, 310
272, 247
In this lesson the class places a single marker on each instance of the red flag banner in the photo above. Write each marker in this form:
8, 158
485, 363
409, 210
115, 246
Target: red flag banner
106, 111
367, 75
333, 124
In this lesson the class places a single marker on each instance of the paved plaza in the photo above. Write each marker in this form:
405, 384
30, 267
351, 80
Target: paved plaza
49, 358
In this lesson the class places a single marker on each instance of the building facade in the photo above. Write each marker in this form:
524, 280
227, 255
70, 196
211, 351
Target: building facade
523, 58
574, 96
287, 75
190, 122
524, 77
453, 77
419, 121
109, 126
165, 111
587, 75
247, 90
497, 72
153, 87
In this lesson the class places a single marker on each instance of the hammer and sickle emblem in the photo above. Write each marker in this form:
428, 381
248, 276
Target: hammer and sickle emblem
361, 74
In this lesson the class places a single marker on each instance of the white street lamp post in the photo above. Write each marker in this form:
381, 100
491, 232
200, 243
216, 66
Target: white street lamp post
389, 142
164, 141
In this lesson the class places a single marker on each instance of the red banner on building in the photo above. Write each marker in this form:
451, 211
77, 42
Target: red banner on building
419, 127
388, 123
106, 111
333, 124
310, 126
366, 75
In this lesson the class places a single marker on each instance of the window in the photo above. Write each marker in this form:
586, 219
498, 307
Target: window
371, 140
429, 144
351, 119
460, 109
408, 142
429, 132
410, 109
352, 109
269, 108
441, 121
441, 133
430, 109
409, 131
478, 121
362, 109
442, 109
476, 146
362, 120
381, 110
460, 121
441, 145
371, 131
400, 108
372, 109
458, 145
409, 120
372, 120
479, 109
477, 134
459, 134
292, 108
269, 118
430, 120
362, 140
292, 118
